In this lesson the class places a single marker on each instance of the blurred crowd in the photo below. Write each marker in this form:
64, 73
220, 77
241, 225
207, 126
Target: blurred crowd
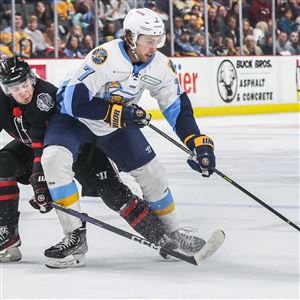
35, 29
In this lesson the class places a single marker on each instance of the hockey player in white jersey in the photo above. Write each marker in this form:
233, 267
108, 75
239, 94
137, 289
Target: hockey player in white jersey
100, 103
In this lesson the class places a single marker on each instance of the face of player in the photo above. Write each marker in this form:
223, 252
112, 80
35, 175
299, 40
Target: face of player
146, 46
22, 92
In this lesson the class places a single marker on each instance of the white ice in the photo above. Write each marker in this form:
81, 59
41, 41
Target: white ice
260, 256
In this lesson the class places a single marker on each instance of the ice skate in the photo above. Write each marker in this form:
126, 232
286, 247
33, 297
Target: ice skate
182, 241
9, 243
70, 252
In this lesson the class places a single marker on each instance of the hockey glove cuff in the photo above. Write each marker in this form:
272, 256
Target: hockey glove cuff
204, 160
119, 116
42, 199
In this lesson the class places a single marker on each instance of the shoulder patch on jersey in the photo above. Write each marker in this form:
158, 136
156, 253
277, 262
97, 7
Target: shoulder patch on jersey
99, 56
172, 66
44, 102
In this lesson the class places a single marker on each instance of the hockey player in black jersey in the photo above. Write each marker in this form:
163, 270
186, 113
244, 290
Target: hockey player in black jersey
27, 104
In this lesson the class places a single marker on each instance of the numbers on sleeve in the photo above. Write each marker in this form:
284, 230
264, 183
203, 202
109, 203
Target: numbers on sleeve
88, 71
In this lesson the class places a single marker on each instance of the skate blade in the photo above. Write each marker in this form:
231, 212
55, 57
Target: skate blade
10, 254
71, 261
211, 246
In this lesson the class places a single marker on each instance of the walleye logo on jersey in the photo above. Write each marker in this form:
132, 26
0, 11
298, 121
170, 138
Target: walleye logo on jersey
110, 88
99, 56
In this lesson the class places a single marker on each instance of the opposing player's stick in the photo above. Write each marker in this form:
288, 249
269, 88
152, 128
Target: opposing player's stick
213, 243
227, 178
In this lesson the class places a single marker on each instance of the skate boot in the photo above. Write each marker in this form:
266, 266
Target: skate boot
70, 252
182, 241
9, 243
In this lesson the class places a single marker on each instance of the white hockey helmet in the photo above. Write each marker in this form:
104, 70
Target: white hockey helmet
144, 21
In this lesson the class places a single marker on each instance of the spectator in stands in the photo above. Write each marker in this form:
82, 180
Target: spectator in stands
293, 44
250, 47
5, 41
212, 21
109, 32
65, 10
286, 23
116, 10
192, 25
247, 28
295, 7
23, 44
199, 44
36, 36
5, 15
260, 11
222, 15
281, 46
178, 26
196, 13
260, 31
72, 49
232, 30
88, 44
44, 14
183, 7
218, 46
76, 30
267, 47
183, 46
234, 11
80, 17
49, 36
152, 5
136, 3
230, 50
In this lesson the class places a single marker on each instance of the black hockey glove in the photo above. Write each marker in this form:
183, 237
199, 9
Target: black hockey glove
119, 116
204, 160
42, 199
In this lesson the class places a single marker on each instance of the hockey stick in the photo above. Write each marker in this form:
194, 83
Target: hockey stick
213, 243
227, 178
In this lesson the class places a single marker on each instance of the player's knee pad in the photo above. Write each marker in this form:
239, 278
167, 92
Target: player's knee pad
57, 165
152, 180
142, 219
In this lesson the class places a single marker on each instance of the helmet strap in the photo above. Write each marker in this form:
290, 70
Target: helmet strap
128, 37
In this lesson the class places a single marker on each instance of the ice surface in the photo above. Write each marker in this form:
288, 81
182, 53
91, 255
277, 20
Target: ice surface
259, 259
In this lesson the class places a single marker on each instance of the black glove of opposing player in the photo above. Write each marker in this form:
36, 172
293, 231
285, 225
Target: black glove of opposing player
119, 116
204, 160
42, 199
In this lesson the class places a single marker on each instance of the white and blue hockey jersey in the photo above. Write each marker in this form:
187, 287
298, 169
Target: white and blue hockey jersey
107, 72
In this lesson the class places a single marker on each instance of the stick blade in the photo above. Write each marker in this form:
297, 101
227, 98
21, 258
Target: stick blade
211, 246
